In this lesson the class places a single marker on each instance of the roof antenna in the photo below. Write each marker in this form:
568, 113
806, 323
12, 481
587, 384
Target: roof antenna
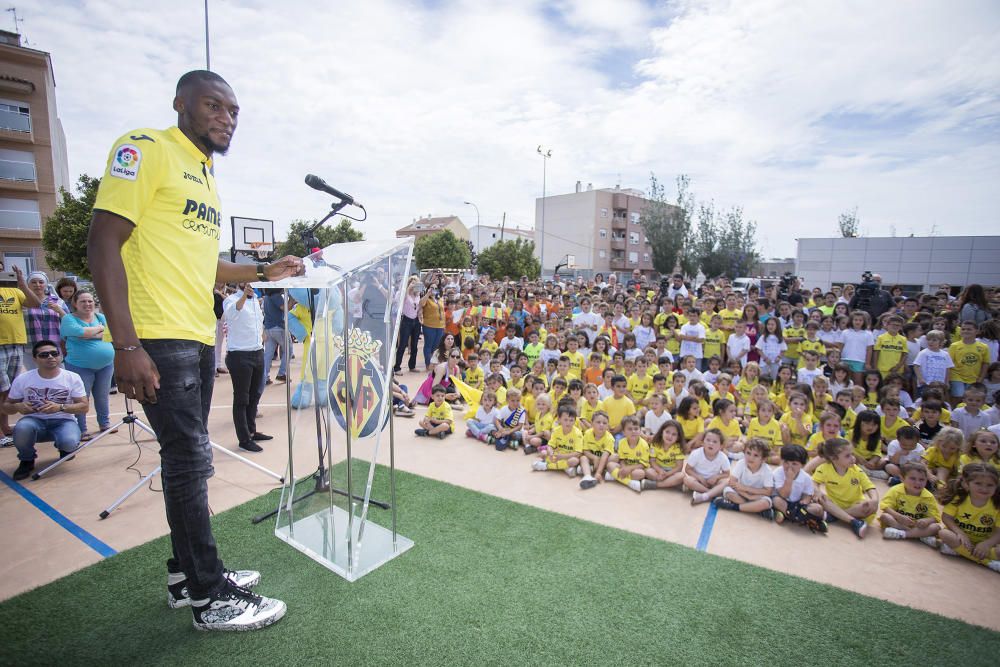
17, 22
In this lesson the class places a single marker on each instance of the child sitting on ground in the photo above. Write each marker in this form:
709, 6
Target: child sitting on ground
706, 469
767, 428
750, 482
843, 489
536, 436
971, 514
666, 457
598, 446
439, 419
906, 448
629, 464
909, 510
981, 447
867, 441
829, 427
793, 491
565, 445
943, 455
509, 423
484, 422
726, 422
655, 417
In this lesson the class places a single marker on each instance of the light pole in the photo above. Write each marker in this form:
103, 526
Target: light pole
546, 154
478, 227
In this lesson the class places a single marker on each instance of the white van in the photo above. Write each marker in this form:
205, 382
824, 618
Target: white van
741, 285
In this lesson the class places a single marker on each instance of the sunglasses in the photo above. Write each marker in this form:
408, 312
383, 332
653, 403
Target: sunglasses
48, 355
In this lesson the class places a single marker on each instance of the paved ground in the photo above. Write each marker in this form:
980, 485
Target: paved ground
37, 550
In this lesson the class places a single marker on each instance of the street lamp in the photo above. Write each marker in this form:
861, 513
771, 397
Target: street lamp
546, 154
478, 227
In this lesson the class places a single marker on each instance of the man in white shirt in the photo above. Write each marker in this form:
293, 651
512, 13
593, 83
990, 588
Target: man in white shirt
587, 321
677, 287
245, 360
48, 397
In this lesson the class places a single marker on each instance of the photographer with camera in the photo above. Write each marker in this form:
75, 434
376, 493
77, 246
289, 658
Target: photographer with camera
432, 315
870, 297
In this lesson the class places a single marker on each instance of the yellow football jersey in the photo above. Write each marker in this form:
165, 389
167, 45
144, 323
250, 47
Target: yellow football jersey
976, 522
845, 490
730, 430
639, 386
915, 507
935, 459
617, 409
692, 427
793, 429
771, 431
595, 445
566, 442
638, 453
891, 349
442, 411
544, 422
889, 430
670, 458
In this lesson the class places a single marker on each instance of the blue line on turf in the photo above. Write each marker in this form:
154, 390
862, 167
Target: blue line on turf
76, 531
706, 528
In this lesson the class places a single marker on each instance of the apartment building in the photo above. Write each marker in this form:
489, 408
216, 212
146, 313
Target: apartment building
33, 158
432, 225
598, 231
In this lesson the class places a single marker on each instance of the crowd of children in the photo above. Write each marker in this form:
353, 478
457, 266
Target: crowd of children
749, 403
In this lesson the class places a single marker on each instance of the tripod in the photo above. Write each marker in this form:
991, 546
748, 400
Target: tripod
134, 422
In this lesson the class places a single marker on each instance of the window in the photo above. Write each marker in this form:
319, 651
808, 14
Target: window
604, 212
24, 260
634, 217
604, 233
633, 258
19, 214
633, 238
15, 116
645, 256
602, 254
17, 165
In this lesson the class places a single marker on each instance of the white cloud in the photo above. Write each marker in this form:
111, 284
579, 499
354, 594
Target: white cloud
796, 111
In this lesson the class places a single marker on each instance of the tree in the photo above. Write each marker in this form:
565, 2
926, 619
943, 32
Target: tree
473, 255
667, 226
64, 236
342, 232
441, 250
514, 258
849, 224
725, 243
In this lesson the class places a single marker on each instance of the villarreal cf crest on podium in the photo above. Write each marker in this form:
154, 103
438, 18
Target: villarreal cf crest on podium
339, 505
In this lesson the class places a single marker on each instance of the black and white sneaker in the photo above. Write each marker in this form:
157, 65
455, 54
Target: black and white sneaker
177, 590
235, 609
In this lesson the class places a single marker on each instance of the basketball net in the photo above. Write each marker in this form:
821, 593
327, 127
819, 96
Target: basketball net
261, 248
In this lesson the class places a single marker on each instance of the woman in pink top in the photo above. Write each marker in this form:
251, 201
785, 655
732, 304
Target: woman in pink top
409, 327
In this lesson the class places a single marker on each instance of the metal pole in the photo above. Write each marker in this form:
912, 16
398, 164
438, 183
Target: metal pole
288, 402
349, 423
389, 319
479, 229
208, 55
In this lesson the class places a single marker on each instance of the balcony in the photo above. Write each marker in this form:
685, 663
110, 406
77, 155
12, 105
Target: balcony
617, 262
619, 222
618, 244
20, 220
22, 172
15, 121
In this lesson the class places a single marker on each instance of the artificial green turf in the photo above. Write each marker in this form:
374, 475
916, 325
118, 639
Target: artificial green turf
489, 581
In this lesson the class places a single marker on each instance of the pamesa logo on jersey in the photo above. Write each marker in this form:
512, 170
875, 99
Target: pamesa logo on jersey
365, 388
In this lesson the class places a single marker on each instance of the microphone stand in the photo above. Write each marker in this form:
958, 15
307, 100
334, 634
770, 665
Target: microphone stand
322, 474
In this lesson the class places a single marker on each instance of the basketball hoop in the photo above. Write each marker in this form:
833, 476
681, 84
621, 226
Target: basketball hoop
261, 248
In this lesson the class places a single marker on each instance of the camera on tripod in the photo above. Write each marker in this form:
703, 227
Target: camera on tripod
866, 291
785, 284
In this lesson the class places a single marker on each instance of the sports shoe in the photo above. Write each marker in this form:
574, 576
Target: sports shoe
422, 432
893, 481
177, 590
468, 433
251, 446
24, 469
768, 514
930, 541
723, 504
816, 525
530, 449
648, 484
893, 534
571, 471
948, 551
859, 528
443, 434
539, 466
280, 378
698, 497
6, 441
635, 485
236, 609
588, 482
878, 474
608, 477
994, 565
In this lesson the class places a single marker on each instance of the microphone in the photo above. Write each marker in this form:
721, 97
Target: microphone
317, 183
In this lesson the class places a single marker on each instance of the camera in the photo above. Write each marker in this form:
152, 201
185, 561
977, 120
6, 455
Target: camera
785, 284
866, 277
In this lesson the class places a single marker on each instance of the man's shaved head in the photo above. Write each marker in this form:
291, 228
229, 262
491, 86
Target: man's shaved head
197, 76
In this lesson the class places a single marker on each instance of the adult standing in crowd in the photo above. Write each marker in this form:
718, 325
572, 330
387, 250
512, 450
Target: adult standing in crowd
972, 306
409, 326
89, 356
47, 398
432, 317
677, 286
872, 299
41, 322
15, 297
65, 289
154, 252
590, 322
219, 295
245, 361
274, 336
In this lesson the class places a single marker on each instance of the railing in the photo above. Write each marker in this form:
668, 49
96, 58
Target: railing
17, 171
12, 120
20, 220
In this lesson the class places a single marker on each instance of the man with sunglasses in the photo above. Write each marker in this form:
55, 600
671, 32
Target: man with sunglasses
48, 397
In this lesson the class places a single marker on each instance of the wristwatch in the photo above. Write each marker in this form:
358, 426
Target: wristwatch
260, 273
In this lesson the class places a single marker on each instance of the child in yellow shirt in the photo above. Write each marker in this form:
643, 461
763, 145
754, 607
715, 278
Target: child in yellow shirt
565, 446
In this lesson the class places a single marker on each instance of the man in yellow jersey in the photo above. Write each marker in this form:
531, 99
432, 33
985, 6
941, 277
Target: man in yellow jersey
154, 253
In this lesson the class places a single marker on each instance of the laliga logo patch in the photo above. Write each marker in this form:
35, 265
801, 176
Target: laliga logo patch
366, 389
126, 162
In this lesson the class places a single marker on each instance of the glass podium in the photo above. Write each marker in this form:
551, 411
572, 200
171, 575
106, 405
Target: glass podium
338, 504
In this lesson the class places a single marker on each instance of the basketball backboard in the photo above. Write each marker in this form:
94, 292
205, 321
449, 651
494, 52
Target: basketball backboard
248, 232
